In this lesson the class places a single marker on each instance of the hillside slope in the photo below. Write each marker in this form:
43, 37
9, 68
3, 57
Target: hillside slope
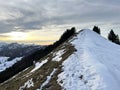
86, 61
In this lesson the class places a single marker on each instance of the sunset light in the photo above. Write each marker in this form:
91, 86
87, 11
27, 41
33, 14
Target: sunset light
17, 36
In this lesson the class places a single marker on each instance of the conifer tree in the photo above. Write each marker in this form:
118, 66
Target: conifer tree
113, 37
96, 29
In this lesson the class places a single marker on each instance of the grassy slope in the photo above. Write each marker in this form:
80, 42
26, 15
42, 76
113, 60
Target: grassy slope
41, 74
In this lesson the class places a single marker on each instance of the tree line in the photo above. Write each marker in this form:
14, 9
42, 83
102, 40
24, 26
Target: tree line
111, 35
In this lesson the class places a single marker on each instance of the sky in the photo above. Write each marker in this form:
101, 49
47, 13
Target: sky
43, 21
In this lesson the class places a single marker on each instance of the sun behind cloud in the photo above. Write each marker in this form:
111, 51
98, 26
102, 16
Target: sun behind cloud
18, 36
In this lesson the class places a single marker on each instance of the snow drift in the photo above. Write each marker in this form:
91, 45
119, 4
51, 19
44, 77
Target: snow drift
94, 66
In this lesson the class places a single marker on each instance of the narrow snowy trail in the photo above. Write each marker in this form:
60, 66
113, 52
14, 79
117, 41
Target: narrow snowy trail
79, 73
94, 66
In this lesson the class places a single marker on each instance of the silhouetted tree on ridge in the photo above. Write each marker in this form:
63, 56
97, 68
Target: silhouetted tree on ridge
113, 37
96, 29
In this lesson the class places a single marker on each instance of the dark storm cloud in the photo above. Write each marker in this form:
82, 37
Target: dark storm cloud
23, 15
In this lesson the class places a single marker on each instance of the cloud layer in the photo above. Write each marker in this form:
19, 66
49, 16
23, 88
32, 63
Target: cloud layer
26, 15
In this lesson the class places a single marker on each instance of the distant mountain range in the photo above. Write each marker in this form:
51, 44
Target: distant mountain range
11, 53
17, 50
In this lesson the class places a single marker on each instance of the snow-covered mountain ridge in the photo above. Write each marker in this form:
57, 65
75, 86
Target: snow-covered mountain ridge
86, 61
96, 62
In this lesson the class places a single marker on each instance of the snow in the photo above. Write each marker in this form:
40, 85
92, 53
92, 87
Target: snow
28, 84
3, 59
57, 55
94, 66
48, 79
6, 64
39, 65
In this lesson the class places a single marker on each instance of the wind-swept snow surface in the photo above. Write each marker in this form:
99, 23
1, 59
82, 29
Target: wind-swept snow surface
94, 66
